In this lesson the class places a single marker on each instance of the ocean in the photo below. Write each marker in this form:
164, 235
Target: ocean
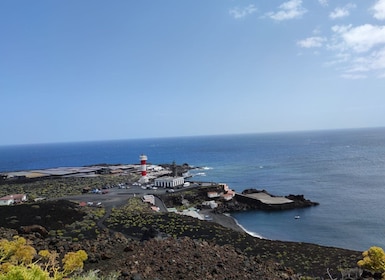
343, 170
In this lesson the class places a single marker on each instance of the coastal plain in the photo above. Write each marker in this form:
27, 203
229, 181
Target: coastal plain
115, 226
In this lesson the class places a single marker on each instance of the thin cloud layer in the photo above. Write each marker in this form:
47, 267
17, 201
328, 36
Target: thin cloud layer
288, 10
312, 42
341, 12
324, 3
239, 13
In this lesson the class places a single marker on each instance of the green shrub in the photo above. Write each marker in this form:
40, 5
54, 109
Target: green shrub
16, 262
373, 259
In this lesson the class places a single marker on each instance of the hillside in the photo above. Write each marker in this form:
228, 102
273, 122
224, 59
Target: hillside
135, 241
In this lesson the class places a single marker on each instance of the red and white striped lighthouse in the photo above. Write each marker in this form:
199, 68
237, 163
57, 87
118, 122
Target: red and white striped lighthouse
143, 169
143, 166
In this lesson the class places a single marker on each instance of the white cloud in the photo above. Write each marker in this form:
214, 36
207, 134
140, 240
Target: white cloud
365, 65
363, 55
312, 42
324, 3
341, 12
239, 13
379, 10
288, 10
361, 38
357, 51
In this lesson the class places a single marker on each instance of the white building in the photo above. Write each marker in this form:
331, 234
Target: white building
149, 199
169, 182
6, 201
212, 204
13, 198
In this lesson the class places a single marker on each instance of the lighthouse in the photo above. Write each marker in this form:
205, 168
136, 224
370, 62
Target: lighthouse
143, 169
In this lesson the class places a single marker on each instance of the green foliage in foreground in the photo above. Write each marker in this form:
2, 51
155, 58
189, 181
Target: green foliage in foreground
373, 260
16, 262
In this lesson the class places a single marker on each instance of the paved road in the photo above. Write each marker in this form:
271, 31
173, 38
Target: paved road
118, 197
115, 197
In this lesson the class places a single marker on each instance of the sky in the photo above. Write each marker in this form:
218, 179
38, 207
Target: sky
101, 70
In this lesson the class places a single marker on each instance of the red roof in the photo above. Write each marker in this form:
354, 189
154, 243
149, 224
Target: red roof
14, 197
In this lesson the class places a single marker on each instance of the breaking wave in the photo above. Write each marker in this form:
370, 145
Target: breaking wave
252, 233
206, 168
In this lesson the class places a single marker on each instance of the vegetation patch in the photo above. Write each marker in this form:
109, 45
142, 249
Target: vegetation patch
136, 220
62, 187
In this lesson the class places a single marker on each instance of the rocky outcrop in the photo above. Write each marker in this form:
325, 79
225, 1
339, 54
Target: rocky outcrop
214, 252
34, 229
165, 258
300, 201
245, 203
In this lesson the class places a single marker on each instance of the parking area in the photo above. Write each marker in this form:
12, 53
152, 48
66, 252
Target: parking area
118, 195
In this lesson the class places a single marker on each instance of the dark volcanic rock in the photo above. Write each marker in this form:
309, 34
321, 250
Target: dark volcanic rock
218, 254
34, 228
245, 203
54, 214
300, 201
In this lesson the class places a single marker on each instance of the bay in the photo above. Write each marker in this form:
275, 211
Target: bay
343, 170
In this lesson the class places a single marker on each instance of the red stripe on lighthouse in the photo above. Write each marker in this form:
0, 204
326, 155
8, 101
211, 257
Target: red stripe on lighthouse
143, 167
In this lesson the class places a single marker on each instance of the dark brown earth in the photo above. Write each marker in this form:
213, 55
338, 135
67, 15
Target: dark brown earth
146, 245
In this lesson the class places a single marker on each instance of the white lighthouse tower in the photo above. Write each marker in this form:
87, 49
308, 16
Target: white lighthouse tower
143, 169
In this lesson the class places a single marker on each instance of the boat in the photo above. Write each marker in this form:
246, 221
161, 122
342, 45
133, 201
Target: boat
297, 217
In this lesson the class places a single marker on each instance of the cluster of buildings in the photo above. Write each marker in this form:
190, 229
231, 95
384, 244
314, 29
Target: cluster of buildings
223, 192
12, 199
161, 181
160, 177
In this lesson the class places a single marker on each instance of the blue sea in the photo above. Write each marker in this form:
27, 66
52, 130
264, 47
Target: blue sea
343, 170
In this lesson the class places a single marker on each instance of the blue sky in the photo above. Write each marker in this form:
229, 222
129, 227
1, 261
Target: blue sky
96, 70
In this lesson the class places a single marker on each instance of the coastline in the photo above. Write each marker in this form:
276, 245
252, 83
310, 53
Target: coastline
228, 221
253, 234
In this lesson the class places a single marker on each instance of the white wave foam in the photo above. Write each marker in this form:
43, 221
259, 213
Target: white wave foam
252, 233
206, 168
200, 174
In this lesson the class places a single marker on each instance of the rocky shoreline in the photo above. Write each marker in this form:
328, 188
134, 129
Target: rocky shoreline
140, 244
246, 202
146, 245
